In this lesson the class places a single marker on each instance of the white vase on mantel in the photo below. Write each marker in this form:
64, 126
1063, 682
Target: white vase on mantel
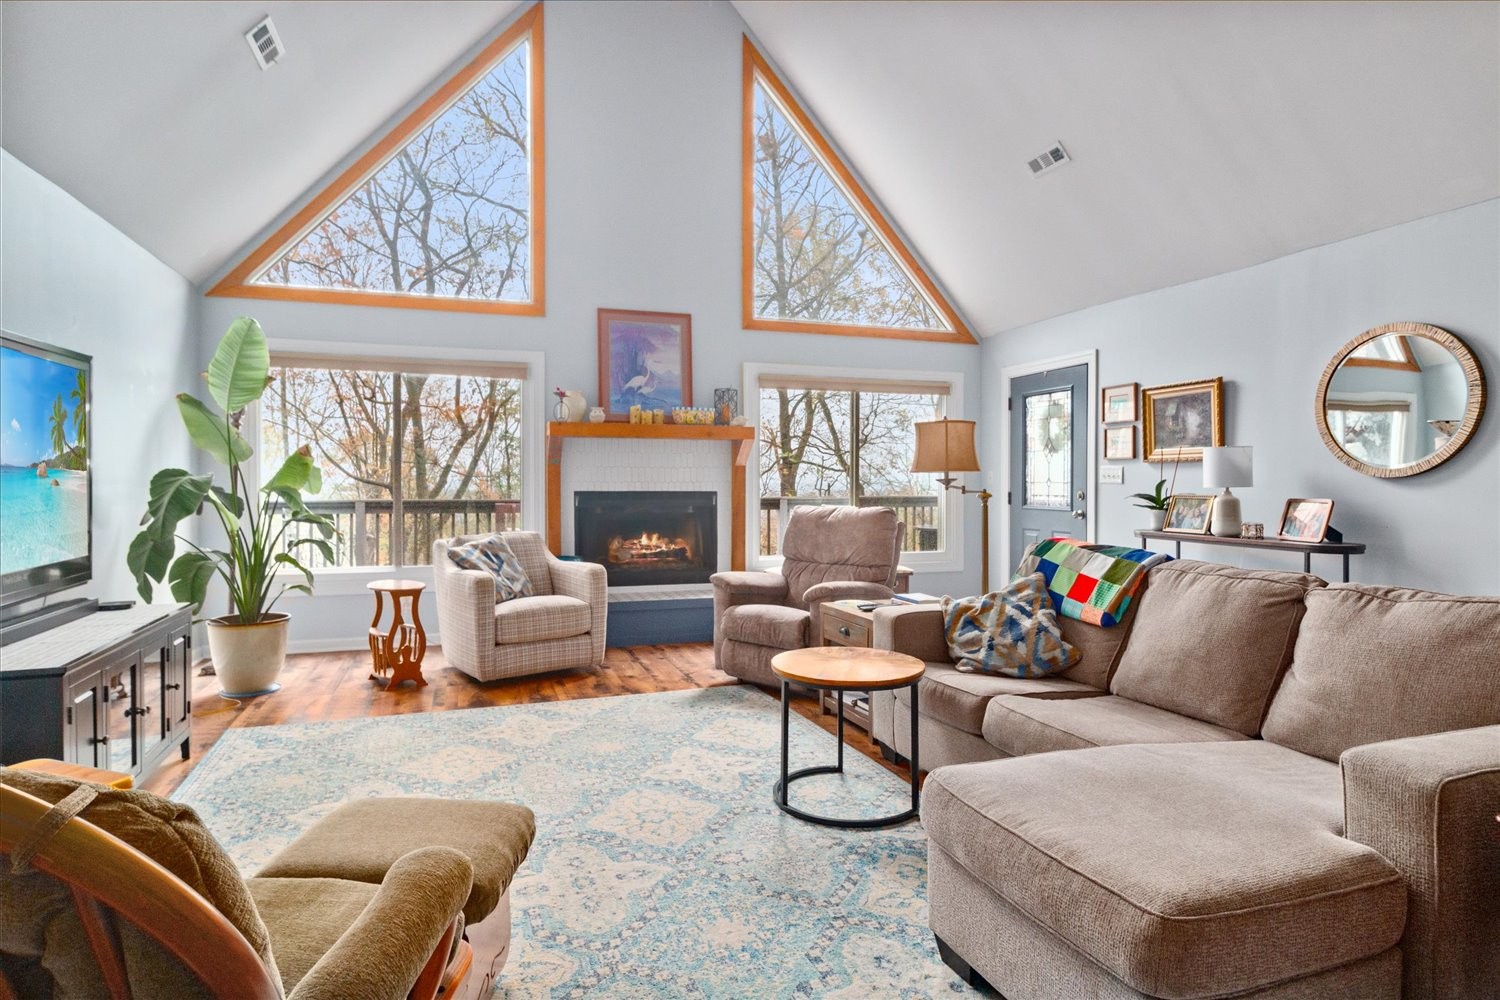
1157, 519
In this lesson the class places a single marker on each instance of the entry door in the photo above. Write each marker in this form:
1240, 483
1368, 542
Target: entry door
1049, 457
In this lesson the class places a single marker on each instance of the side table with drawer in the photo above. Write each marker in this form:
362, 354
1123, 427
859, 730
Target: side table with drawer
845, 625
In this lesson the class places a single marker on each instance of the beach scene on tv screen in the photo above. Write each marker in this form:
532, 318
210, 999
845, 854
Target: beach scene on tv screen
44, 461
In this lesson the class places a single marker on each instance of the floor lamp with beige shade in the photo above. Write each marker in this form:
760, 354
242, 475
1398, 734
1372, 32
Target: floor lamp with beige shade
947, 446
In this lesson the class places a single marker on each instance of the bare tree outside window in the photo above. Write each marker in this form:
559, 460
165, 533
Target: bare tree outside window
839, 447
407, 458
448, 215
816, 257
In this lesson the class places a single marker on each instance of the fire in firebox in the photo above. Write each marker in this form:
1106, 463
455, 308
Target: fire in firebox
650, 549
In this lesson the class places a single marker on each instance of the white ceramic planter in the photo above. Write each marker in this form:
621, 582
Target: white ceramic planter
1158, 518
248, 658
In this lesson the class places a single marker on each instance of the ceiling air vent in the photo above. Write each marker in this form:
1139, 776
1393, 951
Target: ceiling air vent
265, 43
1053, 157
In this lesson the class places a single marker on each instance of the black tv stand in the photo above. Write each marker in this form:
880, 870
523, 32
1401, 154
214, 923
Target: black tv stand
28, 624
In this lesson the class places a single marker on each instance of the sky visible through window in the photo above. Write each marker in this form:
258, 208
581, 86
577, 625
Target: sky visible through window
449, 215
816, 257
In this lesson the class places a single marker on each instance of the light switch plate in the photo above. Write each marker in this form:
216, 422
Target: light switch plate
1112, 474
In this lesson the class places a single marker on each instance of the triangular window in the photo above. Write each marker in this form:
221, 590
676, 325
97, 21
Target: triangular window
445, 212
819, 255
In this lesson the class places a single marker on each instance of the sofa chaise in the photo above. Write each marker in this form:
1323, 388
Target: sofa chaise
1257, 785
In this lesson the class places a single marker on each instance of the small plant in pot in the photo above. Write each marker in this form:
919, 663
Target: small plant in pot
248, 645
1156, 501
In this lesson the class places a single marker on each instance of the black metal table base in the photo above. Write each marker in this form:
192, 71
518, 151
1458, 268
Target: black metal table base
782, 786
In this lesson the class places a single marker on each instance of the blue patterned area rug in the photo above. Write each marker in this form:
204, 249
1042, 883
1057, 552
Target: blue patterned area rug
661, 866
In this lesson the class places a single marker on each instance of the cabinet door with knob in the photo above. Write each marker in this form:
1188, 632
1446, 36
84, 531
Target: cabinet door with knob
122, 709
84, 741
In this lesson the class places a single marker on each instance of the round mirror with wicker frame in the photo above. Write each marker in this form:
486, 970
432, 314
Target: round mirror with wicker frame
1388, 403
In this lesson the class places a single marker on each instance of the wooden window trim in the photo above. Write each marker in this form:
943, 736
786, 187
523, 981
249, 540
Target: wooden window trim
237, 283
756, 65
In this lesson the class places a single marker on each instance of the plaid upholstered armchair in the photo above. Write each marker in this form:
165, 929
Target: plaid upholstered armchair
561, 627
829, 554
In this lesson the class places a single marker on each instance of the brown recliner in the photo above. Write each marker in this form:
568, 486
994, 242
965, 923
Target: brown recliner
830, 554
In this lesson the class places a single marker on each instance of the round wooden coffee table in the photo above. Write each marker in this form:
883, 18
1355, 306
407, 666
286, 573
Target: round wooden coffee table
839, 669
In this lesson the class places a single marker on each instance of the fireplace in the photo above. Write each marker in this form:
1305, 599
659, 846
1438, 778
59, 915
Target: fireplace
646, 537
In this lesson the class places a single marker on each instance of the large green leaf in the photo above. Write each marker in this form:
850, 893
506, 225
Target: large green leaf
210, 432
230, 502
147, 559
294, 473
175, 494
189, 578
292, 561
323, 548
237, 374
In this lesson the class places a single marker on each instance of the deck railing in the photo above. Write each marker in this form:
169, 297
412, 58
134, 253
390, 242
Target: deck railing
365, 533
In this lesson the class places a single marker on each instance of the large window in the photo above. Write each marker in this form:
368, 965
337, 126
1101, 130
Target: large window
444, 212
819, 257
408, 454
847, 442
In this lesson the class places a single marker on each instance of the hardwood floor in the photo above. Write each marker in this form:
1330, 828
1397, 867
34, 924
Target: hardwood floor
322, 686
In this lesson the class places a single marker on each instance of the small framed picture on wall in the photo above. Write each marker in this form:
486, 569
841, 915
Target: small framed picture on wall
645, 360
1118, 405
1119, 443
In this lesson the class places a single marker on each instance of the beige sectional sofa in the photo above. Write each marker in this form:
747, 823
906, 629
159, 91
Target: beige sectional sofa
1258, 785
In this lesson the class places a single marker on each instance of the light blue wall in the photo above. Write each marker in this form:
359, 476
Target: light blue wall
643, 212
1269, 330
69, 278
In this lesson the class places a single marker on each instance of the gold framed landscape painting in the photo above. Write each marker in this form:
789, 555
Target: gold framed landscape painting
1181, 419
1189, 514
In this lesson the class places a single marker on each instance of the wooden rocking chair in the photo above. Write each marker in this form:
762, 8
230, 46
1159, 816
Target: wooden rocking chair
112, 883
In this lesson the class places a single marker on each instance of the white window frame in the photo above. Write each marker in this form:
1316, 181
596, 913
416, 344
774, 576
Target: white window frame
345, 580
948, 559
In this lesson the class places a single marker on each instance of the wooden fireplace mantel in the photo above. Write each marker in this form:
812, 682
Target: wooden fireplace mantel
741, 443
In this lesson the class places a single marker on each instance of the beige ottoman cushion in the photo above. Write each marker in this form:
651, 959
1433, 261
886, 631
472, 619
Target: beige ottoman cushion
360, 840
1170, 865
1021, 726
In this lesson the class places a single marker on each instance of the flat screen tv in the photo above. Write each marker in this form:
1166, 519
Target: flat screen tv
46, 536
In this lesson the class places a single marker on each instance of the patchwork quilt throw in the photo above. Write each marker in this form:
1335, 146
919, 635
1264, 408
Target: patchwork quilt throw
1012, 632
1090, 583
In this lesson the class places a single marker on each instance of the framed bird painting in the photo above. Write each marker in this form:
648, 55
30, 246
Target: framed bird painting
645, 360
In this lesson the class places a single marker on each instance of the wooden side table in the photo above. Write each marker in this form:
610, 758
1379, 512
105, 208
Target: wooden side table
844, 624
398, 650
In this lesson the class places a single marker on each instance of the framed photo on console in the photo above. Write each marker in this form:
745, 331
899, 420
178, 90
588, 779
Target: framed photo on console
645, 360
1188, 513
1182, 419
1305, 520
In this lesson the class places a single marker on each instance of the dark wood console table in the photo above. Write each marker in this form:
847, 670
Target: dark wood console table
111, 691
1308, 549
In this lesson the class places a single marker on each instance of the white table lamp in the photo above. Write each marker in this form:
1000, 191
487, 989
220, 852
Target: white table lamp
1223, 468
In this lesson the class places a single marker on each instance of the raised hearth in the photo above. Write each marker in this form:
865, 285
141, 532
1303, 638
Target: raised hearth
648, 537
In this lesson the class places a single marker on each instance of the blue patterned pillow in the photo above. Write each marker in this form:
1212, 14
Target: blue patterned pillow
1012, 631
493, 555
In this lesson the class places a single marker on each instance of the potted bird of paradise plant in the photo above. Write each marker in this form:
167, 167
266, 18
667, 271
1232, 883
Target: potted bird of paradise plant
247, 644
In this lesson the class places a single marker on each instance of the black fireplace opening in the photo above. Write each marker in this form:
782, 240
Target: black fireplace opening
645, 537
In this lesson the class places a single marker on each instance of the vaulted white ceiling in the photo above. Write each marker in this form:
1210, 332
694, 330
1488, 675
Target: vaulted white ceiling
156, 116
1206, 137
